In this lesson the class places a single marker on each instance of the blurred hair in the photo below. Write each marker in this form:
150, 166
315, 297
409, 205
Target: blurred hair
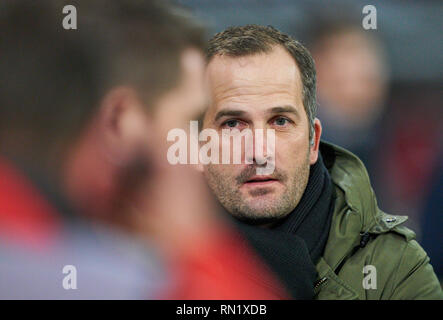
252, 39
52, 79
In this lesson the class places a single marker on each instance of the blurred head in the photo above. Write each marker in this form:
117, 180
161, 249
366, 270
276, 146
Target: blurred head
352, 73
85, 106
260, 78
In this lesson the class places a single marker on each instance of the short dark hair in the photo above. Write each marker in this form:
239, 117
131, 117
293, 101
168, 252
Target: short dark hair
251, 39
52, 79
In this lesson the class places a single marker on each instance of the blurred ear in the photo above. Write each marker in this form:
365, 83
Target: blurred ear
123, 123
313, 155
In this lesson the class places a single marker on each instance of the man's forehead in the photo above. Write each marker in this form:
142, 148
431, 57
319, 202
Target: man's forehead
276, 65
258, 76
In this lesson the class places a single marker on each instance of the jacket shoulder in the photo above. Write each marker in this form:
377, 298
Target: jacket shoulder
399, 268
415, 277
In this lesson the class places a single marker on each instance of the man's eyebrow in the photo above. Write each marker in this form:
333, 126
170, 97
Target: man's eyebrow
231, 113
285, 109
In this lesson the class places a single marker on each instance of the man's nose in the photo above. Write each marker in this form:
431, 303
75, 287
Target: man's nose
260, 150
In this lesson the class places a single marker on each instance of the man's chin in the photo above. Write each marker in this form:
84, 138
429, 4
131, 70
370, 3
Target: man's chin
262, 201
260, 212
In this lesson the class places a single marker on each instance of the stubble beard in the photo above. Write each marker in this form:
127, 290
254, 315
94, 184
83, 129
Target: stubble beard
265, 211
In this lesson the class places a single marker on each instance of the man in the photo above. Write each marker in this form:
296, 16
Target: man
353, 81
319, 194
84, 184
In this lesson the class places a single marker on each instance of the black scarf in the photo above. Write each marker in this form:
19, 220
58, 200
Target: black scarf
293, 247
310, 220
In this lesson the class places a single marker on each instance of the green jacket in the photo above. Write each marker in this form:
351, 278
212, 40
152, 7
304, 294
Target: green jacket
402, 269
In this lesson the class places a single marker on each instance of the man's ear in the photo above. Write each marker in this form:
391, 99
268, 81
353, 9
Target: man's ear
200, 167
314, 147
123, 123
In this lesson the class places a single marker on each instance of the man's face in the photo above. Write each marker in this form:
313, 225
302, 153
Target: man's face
122, 135
261, 91
351, 77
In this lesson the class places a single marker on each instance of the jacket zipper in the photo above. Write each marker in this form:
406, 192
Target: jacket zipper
320, 282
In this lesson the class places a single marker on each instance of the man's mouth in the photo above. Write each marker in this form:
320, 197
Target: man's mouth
260, 181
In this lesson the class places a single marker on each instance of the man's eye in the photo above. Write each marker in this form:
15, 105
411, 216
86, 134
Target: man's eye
230, 123
280, 121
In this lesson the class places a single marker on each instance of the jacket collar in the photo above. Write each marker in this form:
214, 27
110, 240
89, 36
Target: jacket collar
349, 175
356, 212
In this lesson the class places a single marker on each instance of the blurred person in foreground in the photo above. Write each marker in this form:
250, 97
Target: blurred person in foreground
319, 199
83, 180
